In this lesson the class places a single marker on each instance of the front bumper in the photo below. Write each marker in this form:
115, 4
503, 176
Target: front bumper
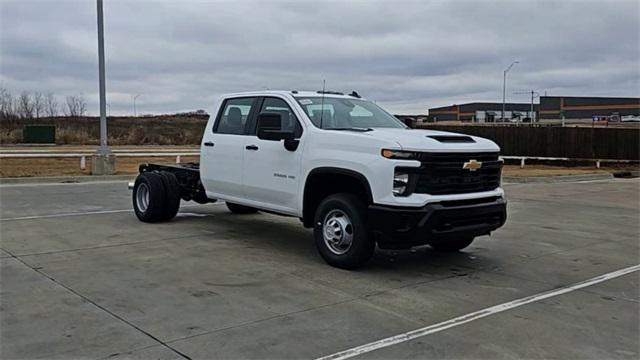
404, 227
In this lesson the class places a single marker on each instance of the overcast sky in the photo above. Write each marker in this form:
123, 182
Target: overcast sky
408, 56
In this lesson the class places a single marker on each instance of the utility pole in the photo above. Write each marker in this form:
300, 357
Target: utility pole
504, 87
103, 163
135, 113
533, 96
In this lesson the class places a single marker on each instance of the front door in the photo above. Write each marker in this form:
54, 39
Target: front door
271, 173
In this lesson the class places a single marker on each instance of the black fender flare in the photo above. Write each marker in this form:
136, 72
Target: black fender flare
329, 171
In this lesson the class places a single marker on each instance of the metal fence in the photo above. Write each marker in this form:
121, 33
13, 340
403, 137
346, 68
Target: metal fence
565, 142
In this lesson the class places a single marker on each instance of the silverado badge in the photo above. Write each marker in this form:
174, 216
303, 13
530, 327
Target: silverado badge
472, 165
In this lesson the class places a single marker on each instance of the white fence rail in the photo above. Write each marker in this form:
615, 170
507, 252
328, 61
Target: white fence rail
597, 162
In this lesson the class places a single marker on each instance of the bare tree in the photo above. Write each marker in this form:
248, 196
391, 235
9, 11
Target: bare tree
76, 106
51, 105
25, 105
7, 108
38, 104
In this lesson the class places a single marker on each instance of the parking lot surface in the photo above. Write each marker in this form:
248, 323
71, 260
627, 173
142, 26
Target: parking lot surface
81, 277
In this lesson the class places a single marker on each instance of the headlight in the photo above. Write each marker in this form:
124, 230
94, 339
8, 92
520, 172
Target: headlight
400, 183
397, 154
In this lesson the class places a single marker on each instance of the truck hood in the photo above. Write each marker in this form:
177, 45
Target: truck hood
434, 141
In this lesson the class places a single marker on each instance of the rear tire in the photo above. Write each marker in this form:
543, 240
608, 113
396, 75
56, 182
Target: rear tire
451, 244
341, 233
149, 197
172, 194
241, 209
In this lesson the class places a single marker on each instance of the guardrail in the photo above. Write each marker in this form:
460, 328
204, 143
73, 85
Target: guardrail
597, 162
82, 155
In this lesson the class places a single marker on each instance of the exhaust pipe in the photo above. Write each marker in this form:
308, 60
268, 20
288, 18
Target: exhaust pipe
130, 185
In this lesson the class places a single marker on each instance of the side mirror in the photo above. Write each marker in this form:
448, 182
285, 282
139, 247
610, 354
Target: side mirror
270, 128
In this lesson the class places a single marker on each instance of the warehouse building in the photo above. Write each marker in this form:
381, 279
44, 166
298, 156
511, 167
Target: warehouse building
550, 107
483, 112
577, 107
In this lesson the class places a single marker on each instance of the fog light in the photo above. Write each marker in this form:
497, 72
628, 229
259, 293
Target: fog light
400, 183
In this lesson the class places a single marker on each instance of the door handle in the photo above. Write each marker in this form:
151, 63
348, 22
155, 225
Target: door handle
251, 147
209, 143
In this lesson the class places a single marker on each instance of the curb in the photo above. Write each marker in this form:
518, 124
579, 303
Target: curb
65, 179
555, 179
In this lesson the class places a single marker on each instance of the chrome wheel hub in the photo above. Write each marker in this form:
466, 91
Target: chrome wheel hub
337, 232
142, 197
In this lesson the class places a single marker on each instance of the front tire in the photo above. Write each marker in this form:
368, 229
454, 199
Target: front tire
341, 233
241, 209
149, 197
451, 244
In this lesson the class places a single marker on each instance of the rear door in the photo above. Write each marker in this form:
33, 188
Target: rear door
223, 148
271, 173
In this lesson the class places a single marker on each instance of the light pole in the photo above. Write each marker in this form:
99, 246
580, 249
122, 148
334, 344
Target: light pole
103, 162
504, 87
104, 148
135, 114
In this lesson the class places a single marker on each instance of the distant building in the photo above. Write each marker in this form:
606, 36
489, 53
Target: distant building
550, 107
483, 112
578, 107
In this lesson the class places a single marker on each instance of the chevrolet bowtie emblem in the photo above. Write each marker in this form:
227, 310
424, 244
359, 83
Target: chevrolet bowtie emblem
472, 165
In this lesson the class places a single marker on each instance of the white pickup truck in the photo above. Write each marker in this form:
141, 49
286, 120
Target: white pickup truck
344, 166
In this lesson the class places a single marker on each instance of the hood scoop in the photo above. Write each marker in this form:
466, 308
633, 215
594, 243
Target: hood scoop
452, 138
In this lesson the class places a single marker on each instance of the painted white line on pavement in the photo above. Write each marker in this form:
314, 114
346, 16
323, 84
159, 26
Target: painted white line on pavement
65, 215
431, 329
87, 213
70, 183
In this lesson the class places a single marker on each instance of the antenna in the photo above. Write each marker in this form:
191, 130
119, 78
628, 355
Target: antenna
322, 103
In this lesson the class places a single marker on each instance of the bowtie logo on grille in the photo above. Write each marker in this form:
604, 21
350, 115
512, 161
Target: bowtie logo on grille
472, 165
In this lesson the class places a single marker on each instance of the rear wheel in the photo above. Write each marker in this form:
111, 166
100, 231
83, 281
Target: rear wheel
241, 209
172, 194
341, 233
451, 244
149, 197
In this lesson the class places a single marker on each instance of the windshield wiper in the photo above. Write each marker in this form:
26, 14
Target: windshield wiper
359, 129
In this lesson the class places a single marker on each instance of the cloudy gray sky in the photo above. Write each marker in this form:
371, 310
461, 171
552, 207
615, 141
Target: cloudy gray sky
406, 55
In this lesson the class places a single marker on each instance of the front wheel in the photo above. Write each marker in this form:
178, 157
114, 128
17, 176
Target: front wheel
340, 231
451, 244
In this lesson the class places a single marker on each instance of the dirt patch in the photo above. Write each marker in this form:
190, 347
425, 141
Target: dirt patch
176, 129
14, 167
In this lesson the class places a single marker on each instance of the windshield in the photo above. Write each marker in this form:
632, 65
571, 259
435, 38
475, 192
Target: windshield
341, 113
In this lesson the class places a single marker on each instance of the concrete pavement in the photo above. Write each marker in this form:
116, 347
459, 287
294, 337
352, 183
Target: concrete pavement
81, 277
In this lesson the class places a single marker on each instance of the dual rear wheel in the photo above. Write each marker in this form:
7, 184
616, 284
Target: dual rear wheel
156, 196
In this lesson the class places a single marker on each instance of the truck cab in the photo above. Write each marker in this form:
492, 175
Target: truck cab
348, 169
